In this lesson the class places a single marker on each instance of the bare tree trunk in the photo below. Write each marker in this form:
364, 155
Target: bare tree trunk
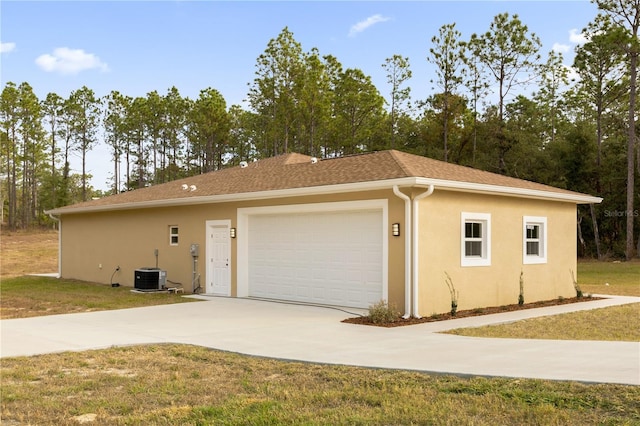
54, 191
631, 156
393, 120
116, 163
633, 71
140, 163
12, 184
66, 170
84, 175
580, 237
596, 233
24, 189
84, 166
445, 127
475, 135
128, 168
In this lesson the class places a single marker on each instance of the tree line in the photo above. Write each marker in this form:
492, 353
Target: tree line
498, 104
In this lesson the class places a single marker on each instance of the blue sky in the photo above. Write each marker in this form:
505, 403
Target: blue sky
138, 47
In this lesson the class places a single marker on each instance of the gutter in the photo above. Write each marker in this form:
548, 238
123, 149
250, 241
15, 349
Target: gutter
483, 188
429, 191
57, 219
411, 273
407, 251
449, 185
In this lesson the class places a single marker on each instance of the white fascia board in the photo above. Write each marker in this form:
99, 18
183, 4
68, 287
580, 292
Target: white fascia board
244, 196
508, 191
340, 188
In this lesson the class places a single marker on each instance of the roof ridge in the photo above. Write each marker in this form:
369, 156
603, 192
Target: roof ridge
296, 157
289, 172
284, 159
395, 154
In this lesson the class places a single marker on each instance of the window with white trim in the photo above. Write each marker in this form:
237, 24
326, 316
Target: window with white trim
475, 230
534, 239
173, 235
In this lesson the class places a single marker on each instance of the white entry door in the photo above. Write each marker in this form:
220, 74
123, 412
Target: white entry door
218, 258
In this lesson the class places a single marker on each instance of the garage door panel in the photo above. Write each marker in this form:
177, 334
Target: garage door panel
330, 258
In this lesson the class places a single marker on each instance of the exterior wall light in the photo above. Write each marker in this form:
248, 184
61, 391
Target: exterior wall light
232, 232
395, 229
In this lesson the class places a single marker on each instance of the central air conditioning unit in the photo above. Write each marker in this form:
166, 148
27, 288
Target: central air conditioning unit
149, 279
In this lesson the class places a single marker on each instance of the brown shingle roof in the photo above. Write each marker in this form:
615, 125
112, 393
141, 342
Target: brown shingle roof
295, 171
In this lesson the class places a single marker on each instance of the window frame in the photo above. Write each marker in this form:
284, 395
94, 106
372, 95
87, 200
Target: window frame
541, 257
172, 235
485, 220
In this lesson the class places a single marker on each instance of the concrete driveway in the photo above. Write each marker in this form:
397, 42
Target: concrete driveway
315, 334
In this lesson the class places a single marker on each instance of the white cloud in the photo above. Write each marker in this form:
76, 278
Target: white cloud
70, 61
562, 48
363, 25
577, 37
7, 47
572, 74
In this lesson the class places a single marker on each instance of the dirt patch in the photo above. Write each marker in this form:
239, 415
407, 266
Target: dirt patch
469, 313
25, 252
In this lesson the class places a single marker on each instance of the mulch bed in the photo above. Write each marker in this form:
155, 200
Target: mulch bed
365, 320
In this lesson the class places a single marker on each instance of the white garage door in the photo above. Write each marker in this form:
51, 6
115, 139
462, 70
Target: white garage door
333, 258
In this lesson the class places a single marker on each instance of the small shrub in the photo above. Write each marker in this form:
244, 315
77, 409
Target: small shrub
576, 286
383, 313
454, 295
521, 295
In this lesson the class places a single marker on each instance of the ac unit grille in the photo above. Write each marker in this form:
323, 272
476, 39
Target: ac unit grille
150, 279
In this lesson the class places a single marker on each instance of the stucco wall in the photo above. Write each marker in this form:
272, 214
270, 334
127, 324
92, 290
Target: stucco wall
129, 238
497, 284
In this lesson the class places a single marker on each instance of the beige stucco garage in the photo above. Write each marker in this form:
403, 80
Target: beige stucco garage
346, 231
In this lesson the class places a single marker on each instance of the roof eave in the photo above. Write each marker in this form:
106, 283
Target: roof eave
242, 196
538, 194
340, 188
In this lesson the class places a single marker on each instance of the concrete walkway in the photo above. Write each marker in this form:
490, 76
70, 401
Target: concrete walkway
315, 334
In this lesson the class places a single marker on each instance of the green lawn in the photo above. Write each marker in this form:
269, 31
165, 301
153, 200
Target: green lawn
187, 385
619, 278
36, 296
180, 384
617, 323
620, 323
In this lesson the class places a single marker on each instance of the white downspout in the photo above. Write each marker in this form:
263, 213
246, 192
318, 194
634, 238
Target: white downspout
57, 219
415, 228
407, 251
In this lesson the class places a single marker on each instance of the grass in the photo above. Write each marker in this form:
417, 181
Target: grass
619, 323
19, 249
619, 278
180, 384
36, 296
